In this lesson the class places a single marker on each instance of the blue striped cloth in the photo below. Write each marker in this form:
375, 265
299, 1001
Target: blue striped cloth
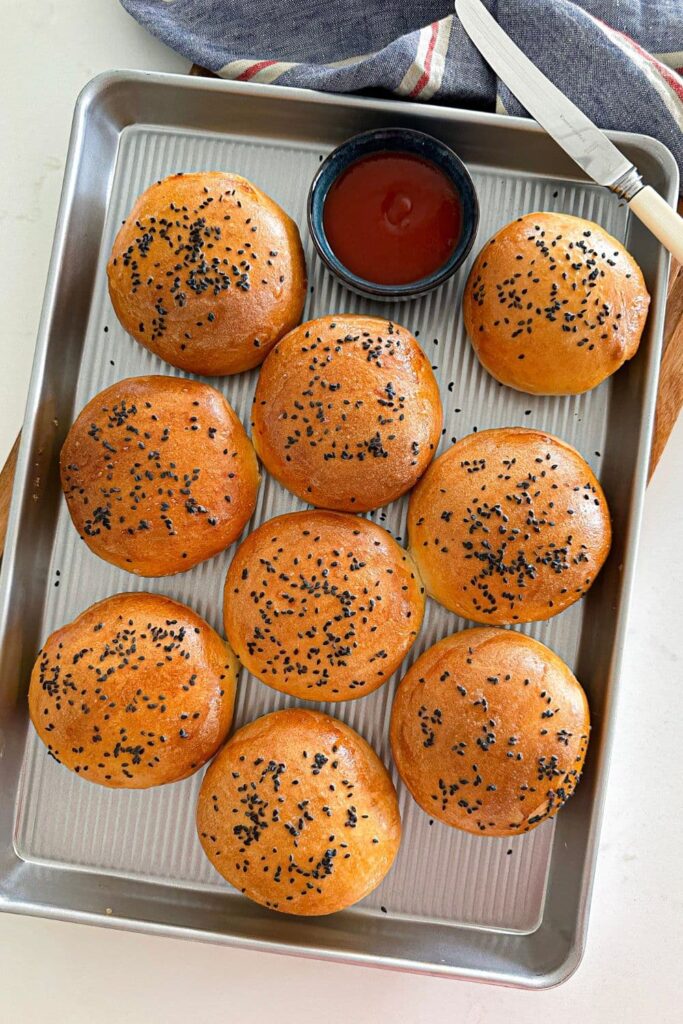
619, 60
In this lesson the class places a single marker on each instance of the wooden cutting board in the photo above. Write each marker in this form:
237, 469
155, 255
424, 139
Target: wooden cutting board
669, 395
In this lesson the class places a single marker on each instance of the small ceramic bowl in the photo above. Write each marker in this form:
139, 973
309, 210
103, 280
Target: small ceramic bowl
403, 140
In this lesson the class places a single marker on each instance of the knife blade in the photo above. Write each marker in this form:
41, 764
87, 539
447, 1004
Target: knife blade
578, 136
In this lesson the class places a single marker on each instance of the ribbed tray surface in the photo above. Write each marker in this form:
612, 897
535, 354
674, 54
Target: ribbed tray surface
440, 874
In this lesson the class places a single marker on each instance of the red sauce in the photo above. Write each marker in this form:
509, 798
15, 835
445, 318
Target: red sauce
392, 218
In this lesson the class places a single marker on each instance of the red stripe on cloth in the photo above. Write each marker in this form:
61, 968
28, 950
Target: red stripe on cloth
254, 69
424, 77
664, 72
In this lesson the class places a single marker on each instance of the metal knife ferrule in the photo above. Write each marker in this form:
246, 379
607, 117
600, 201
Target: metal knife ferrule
628, 184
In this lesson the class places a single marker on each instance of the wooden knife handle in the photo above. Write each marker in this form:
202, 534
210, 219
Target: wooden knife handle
662, 220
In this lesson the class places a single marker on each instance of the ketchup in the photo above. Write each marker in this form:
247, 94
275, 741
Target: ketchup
392, 218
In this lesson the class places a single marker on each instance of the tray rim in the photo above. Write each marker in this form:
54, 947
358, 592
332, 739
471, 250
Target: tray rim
11, 867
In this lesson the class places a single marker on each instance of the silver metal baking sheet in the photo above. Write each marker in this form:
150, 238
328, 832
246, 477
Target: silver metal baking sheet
510, 910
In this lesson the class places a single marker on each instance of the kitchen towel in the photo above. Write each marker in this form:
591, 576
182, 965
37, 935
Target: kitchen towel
619, 60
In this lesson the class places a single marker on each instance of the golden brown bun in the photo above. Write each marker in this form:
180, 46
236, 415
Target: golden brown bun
299, 814
207, 272
136, 692
508, 525
322, 605
553, 304
347, 413
489, 731
158, 474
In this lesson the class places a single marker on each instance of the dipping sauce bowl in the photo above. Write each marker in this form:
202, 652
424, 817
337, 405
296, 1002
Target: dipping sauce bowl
393, 213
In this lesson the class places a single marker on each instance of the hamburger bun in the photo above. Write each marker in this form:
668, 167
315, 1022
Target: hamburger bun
553, 304
207, 272
347, 413
158, 474
489, 731
299, 814
322, 605
135, 692
508, 525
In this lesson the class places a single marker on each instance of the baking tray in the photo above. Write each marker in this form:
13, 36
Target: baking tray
506, 910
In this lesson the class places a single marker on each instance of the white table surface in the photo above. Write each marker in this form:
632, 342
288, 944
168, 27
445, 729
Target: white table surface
71, 973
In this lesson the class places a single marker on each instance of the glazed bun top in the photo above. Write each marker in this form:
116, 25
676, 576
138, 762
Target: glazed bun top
489, 731
508, 525
553, 304
322, 605
158, 474
299, 814
135, 692
347, 412
207, 272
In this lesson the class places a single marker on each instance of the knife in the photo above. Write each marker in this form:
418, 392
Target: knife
569, 127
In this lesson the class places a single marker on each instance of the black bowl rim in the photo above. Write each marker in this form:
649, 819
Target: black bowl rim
376, 140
